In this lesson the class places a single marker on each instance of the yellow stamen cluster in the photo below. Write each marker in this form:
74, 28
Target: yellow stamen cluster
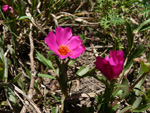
63, 50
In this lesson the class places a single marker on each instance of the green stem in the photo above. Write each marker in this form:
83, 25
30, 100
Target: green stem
142, 76
63, 78
108, 96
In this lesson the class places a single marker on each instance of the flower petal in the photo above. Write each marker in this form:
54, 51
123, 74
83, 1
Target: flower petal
11, 9
74, 42
107, 58
120, 55
64, 44
109, 72
51, 42
105, 67
5, 7
101, 65
63, 56
76, 53
113, 58
111, 67
116, 70
63, 35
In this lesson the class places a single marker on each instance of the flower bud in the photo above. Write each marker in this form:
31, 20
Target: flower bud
5, 8
111, 67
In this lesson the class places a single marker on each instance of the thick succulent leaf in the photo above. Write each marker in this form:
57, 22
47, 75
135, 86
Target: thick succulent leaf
46, 76
83, 70
125, 89
45, 61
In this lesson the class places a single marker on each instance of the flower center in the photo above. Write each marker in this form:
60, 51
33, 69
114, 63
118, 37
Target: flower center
63, 50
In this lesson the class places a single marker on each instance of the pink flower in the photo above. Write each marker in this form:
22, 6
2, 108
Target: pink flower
11, 9
64, 44
111, 67
5, 8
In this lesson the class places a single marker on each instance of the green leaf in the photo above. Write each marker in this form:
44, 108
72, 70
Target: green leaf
115, 107
124, 89
2, 48
50, 56
146, 27
71, 62
1, 71
137, 102
13, 100
142, 25
90, 73
46, 76
24, 17
129, 35
83, 70
53, 109
125, 109
139, 84
15, 79
120, 86
82, 36
55, 97
28, 72
45, 61
117, 92
22, 85
99, 100
133, 55
5, 70
142, 108
101, 79
145, 66
148, 94
13, 55
3, 103
21, 7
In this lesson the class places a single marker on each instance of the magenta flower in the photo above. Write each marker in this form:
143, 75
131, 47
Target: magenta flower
11, 9
64, 44
111, 67
5, 8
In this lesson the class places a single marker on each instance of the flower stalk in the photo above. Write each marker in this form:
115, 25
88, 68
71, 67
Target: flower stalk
64, 45
63, 78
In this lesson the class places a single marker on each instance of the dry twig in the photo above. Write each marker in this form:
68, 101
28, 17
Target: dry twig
31, 102
33, 71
